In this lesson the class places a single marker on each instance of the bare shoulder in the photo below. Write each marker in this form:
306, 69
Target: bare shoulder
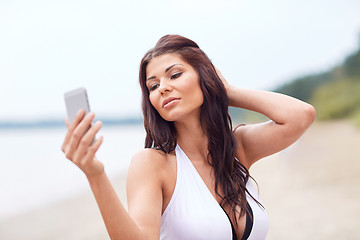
149, 158
152, 175
148, 164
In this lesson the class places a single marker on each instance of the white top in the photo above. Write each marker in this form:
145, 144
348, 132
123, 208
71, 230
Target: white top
193, 212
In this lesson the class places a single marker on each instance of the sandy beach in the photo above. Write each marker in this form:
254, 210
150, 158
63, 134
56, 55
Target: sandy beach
310, 190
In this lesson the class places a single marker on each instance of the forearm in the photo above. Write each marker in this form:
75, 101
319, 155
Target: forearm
118, 222
279, 108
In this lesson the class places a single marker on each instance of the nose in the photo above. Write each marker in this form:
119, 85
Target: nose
164, 86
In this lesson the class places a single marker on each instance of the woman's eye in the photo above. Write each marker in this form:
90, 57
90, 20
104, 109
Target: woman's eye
153, 87
176, 75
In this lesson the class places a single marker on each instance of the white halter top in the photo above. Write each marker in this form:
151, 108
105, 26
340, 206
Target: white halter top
194, 214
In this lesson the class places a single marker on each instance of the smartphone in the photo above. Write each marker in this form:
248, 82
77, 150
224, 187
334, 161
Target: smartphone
75, 100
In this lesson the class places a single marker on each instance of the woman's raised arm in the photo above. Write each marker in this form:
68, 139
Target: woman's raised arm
289, 116
119, 223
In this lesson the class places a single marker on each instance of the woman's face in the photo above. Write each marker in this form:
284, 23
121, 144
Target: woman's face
174, 87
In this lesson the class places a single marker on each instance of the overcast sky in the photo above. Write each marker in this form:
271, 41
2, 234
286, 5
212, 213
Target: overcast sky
49, 47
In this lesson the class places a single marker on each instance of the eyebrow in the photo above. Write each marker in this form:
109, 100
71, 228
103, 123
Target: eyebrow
166, 70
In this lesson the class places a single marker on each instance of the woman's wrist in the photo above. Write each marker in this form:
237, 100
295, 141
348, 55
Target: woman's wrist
93, 178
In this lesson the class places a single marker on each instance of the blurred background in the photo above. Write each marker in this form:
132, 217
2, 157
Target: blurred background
307, 49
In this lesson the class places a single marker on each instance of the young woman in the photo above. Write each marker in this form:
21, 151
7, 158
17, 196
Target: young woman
192, 179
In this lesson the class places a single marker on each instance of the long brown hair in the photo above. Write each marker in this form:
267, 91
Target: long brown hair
230, 174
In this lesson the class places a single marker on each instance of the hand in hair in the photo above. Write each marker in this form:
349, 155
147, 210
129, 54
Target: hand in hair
226, 84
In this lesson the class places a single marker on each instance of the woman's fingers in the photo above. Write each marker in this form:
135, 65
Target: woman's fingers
226, 84
79, 116
89, 164
67, 122
79, 145
93, 149
86, 140
78, 133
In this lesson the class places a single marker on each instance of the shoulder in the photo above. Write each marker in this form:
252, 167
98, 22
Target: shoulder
148, 164
149, 157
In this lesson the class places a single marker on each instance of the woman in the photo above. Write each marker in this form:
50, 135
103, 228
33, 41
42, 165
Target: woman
191, 180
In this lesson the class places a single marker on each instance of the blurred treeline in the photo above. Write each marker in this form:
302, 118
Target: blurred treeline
335, 93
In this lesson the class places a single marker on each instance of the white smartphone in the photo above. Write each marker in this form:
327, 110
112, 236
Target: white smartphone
75, 100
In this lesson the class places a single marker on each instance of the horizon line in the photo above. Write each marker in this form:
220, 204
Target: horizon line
54, 123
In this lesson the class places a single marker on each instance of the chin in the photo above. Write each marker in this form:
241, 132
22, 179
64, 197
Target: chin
171, 116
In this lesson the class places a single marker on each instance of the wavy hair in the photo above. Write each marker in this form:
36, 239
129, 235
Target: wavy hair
230, 174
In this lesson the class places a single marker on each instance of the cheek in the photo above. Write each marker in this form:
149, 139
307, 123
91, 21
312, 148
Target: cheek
200, 97
153, 101
196, 92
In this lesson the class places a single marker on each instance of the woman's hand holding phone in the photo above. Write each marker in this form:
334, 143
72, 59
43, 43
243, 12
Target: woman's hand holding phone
78, 144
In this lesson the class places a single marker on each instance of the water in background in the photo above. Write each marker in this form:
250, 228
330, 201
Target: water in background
34, 170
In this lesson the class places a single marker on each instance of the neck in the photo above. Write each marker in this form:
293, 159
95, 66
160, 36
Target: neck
192, 139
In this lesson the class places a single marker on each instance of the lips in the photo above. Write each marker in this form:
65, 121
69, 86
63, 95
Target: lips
168, 101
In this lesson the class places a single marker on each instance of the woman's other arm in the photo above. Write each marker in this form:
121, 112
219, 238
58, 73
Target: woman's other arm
144, 203
120, 225
289, 116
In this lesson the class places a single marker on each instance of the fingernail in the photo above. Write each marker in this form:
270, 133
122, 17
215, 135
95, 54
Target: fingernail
90, 115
